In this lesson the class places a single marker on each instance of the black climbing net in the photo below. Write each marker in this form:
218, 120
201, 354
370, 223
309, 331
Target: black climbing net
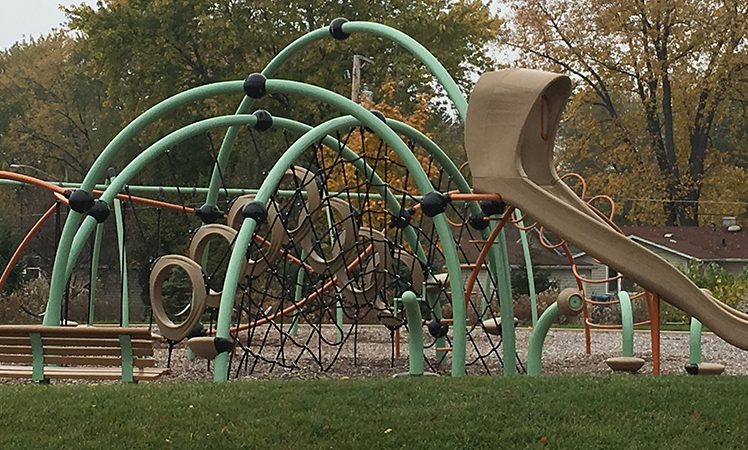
343, 240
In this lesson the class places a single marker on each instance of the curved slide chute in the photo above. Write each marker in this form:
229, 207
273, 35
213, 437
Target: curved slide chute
511, 125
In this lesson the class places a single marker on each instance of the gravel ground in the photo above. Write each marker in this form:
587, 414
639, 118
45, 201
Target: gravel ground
563, 354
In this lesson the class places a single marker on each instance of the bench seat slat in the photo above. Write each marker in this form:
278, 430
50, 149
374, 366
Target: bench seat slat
99, 332
75, 342
73, 351
89, 373
77, 360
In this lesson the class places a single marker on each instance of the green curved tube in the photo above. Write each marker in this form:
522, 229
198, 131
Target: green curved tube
627, 323
274, 176
694, 342
537, 339
57, 282
415, 333
146, 157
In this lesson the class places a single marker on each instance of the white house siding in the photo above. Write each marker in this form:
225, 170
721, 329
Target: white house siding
734, 267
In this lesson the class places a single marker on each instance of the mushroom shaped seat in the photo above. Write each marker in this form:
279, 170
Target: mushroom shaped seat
493, 325
625, 363
705, 369
209, 347
436, 282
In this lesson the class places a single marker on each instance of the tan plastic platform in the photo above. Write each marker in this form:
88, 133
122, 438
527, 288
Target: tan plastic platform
510, 130
625, 363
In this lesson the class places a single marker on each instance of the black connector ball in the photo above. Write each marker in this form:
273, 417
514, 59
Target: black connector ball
254, 86
478, 221
491, 207
81, 201
99, 211
209, 213
264, 120
378, 114
438, 329
336, 29
402, 219
434, 203
255, 210
197, 331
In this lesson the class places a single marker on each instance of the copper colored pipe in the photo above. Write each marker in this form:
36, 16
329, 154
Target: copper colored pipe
25, 242
484, 253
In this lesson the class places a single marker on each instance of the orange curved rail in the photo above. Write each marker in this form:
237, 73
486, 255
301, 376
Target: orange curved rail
25, 242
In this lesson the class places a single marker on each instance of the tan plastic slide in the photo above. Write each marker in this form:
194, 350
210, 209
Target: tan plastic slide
511, 125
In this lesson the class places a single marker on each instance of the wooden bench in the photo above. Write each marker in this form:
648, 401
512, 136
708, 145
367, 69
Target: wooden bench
90, 353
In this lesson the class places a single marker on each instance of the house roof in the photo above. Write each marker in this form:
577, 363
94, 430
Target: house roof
705, 243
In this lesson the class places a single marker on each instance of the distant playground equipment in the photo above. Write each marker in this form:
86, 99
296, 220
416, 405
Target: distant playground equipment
365, 219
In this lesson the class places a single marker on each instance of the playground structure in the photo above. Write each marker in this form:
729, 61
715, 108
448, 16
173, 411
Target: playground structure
338, 234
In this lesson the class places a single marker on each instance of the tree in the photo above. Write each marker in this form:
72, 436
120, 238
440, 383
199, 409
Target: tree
53, 115
656, 80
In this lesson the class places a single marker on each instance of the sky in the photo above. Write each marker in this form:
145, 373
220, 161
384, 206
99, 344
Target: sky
22, 19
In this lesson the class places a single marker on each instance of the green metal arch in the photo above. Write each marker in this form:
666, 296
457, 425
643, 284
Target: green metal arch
57, 282
424, 185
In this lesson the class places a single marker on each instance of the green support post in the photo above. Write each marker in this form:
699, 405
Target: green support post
37, 355
122, 262
528, 266
125, 343
694, 342
94, 272
298, 292
415, 333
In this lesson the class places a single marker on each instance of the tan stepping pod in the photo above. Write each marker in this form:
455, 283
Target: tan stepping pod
436, 282
625, 363
493, 326
705, 369
209, 347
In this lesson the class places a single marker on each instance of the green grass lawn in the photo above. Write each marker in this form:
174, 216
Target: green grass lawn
435, 413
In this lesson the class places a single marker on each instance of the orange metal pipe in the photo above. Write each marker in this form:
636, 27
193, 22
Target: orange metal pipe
25, 242
484, 253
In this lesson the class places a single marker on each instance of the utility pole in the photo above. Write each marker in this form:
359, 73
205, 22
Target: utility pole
358, 62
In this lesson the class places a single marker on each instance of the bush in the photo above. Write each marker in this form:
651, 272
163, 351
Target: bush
728, 288
543, 282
